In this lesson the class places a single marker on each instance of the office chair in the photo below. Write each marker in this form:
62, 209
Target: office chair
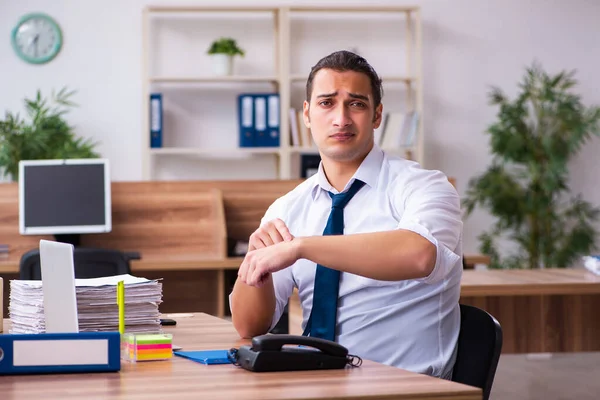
88, 262
479, 347
283, 325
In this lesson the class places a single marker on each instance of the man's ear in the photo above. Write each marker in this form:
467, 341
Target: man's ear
378, 115
305, 115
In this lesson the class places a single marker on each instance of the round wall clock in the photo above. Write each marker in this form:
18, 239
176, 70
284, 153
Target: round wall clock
36, 38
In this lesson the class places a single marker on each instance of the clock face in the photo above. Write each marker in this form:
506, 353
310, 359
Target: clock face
36, 38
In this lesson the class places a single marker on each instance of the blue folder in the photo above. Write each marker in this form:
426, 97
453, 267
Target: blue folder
60, 353
205, 356
156, 120
246, 120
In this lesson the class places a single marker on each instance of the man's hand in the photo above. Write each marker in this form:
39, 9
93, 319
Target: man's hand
271, 233
258, 265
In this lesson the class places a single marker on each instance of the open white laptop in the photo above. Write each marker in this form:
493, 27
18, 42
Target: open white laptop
58, 284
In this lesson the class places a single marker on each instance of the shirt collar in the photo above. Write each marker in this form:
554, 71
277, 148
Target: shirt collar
368, 172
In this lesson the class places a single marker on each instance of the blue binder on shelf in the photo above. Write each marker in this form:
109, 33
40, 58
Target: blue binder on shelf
246, 119
156, 120
51, 353
271, 138
260, 119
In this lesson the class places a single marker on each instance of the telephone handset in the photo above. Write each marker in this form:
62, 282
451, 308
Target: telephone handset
278, 353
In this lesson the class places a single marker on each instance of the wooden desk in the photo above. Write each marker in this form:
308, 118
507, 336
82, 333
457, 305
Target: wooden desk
184, 379
473, 259
549, 310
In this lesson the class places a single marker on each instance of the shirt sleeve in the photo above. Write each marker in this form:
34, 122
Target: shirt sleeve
431, 208
283, 281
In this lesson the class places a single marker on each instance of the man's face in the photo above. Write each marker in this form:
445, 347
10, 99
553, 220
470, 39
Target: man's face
341, 115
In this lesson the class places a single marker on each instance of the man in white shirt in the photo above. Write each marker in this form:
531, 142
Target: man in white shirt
398, 261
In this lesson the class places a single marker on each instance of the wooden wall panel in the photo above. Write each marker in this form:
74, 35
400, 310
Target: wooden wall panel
163, 223
187, 291
245, 202
572, 323
544, 323
520, 318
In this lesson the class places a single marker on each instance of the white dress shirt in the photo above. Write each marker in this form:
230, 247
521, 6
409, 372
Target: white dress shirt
411, 324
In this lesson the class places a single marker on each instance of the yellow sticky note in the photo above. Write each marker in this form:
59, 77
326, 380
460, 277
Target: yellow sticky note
121, 304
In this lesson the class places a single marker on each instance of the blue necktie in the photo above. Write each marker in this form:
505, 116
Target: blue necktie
321, 322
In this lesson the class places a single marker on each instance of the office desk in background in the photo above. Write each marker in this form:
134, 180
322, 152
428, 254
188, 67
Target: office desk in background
184, 379
541, 311
181, 229
188, 279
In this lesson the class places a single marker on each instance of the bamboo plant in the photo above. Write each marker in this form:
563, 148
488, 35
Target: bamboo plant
526, 186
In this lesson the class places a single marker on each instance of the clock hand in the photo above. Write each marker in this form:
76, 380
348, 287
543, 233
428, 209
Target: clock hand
35, 42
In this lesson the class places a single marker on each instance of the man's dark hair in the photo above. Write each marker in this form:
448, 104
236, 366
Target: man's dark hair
347, 61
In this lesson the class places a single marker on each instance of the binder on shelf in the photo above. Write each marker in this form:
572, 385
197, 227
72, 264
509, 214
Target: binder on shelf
271, 139
260, 120
411, 129
59, 353
246, 120
156, 120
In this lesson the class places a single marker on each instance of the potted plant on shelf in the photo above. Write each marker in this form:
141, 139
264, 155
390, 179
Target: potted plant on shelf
45, 136
222, 52
526, 187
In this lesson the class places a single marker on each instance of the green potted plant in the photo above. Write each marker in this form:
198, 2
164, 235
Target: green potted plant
45, 135
526, 186
222, 52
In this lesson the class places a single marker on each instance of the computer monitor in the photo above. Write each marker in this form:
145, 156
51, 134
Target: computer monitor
64, 198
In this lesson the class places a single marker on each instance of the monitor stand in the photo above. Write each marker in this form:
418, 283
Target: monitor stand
71, 238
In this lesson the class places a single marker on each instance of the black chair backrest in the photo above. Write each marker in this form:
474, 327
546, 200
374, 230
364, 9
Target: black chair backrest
479, 347
88, 262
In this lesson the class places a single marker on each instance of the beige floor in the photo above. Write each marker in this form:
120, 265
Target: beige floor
562, 376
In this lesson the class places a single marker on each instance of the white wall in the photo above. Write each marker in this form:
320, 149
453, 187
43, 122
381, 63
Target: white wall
468, 45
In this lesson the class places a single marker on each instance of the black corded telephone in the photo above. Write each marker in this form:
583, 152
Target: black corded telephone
277, 353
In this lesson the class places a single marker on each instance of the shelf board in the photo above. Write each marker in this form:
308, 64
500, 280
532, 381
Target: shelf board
218, 153
209, 9
211, 79
385, 78
359, 9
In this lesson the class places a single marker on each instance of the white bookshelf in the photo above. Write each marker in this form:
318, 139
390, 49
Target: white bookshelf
202, 126
211, 79
217, 152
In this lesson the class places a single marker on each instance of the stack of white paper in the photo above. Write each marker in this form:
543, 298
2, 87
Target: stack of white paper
97, 308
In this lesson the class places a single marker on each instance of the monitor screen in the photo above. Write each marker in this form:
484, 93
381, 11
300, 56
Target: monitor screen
64, 196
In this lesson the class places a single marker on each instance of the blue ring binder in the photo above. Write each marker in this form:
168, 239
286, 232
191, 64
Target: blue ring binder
96, 352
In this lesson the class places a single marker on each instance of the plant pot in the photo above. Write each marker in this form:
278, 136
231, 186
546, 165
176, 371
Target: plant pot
222, 64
